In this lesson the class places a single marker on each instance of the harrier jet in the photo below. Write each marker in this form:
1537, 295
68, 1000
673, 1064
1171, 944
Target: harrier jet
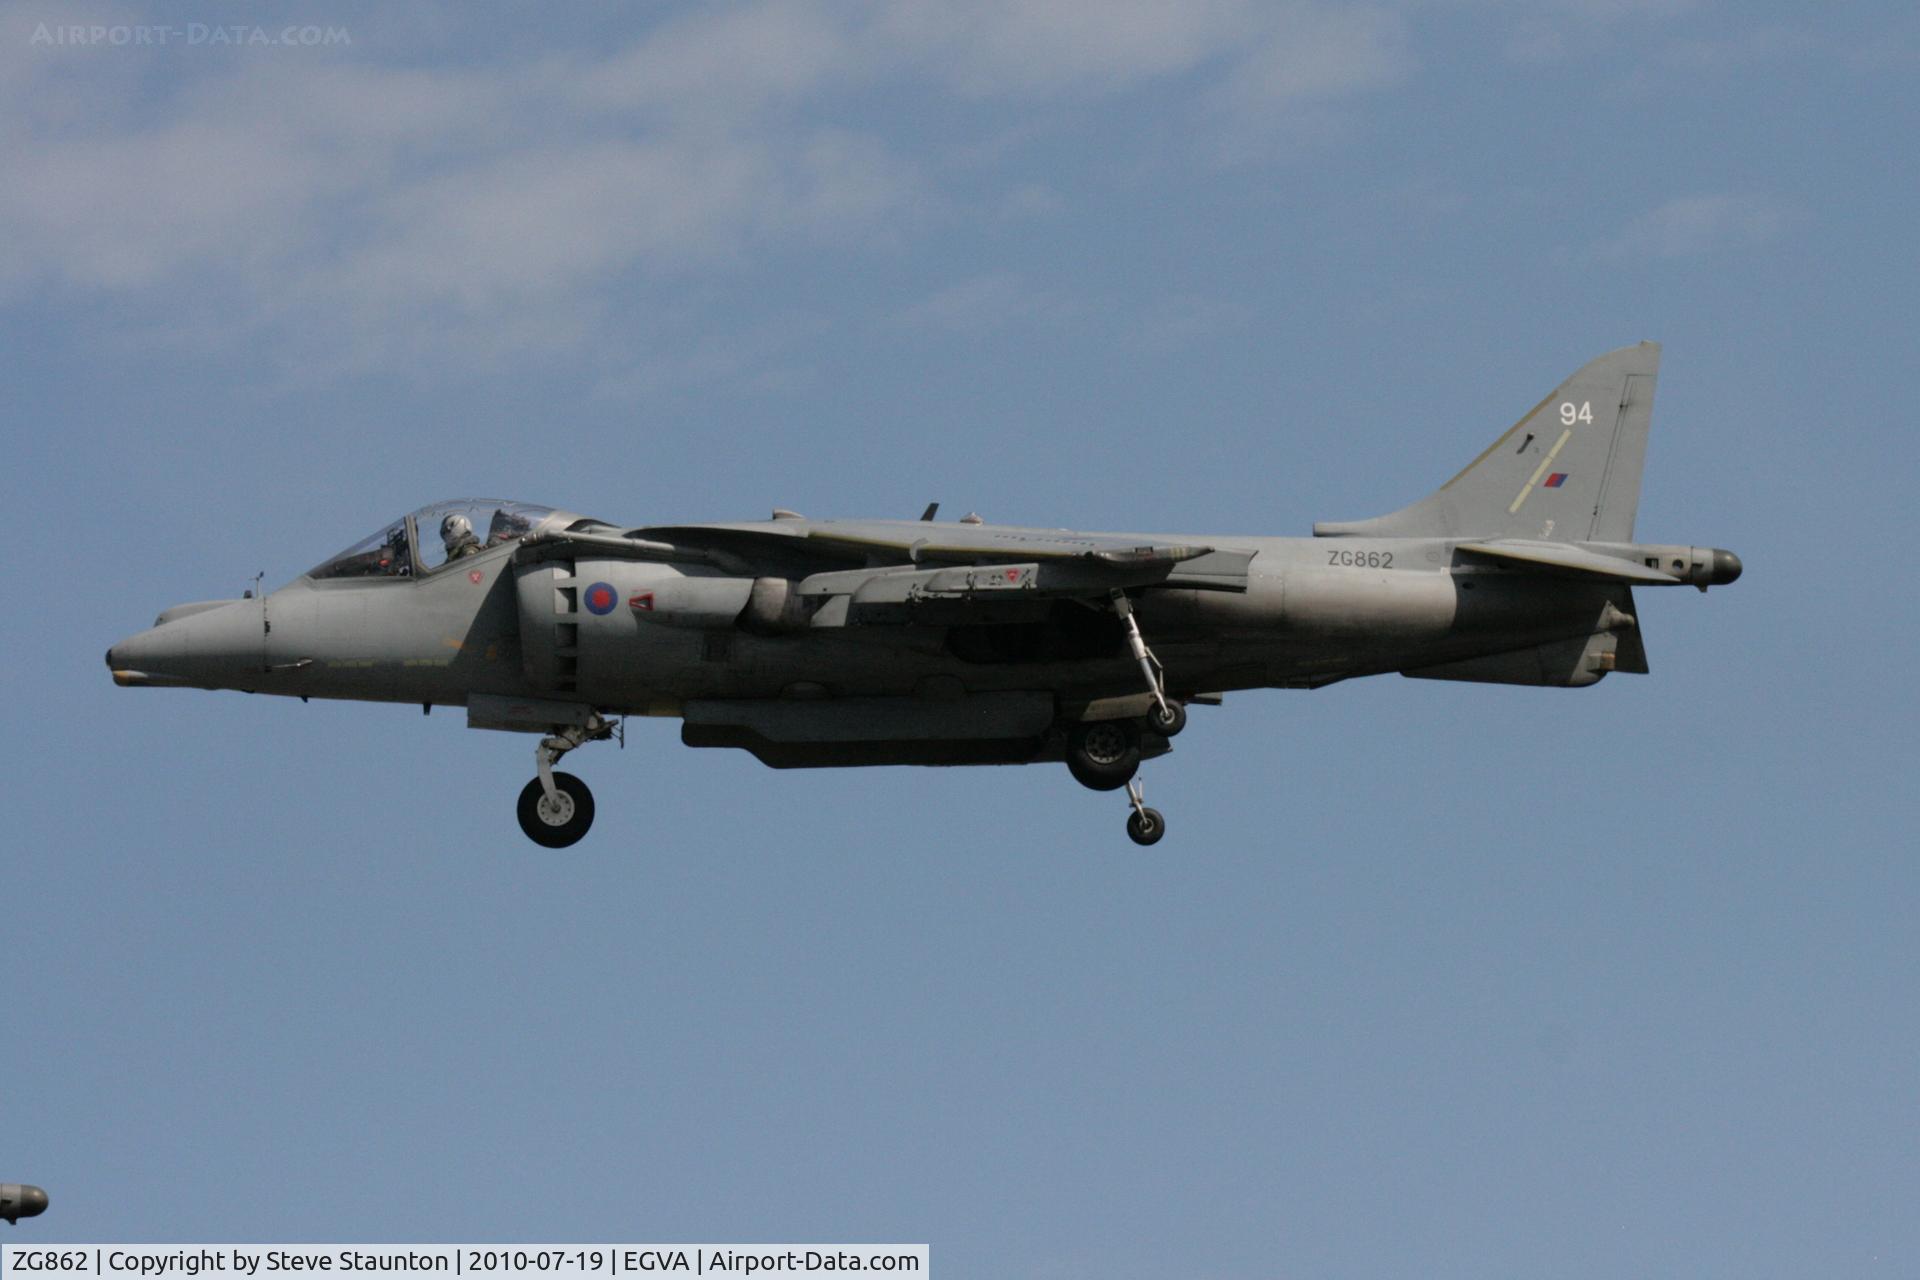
815, 643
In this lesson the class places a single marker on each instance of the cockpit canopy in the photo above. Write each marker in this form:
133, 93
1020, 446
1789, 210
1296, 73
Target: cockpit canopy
427, 539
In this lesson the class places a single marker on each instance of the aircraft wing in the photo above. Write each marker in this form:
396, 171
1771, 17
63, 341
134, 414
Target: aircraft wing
1066, 563
921, 543
798, 548
747, 550
881, 572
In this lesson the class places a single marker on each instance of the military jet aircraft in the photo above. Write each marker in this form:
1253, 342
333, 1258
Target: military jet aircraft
19, 1201
866, 642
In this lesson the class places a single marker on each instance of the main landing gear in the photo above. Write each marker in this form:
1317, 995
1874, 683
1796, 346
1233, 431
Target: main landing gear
556, 808
1104, 755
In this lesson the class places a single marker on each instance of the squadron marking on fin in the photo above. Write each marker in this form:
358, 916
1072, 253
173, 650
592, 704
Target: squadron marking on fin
1541, 470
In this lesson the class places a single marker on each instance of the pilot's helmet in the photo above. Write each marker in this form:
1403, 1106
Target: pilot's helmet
456, 528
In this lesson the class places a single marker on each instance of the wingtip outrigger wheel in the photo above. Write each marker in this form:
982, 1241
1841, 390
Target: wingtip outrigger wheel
1167, 718
1144, 826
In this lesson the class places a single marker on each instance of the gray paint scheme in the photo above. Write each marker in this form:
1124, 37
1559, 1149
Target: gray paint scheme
1592, 428
829, 642
18, 1200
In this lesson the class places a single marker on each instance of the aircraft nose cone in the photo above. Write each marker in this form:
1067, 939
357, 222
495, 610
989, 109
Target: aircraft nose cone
133, 659
120, 661
217, 645
33, 1201
1726, 568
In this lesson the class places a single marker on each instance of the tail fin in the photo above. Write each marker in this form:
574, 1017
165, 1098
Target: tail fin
1568, 471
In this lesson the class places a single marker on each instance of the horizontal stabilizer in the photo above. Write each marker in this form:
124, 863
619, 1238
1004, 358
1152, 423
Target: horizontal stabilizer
1566, 558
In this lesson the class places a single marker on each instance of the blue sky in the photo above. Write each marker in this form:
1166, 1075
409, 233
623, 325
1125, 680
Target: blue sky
1425, 980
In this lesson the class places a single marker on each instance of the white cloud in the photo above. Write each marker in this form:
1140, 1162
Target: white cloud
984, 304
1285, 89
724, 61
385, 208
1623, 10
1545, 31
348, 199
1698, 224
996, 47
1315, 52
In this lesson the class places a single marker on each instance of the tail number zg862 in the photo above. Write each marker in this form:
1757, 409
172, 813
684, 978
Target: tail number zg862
1361, 559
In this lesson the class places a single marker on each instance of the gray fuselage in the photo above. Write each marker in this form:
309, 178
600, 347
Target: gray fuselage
1314, 610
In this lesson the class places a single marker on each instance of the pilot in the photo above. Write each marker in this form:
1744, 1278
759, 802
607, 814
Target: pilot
457, 532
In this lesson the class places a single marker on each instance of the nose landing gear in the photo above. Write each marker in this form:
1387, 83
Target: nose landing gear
560, 820
556, 808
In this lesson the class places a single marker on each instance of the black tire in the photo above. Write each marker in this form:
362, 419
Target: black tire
1168, 725
1103, 755
1146, 826
556, 831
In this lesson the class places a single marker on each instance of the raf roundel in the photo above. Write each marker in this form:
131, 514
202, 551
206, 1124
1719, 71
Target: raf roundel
601, 598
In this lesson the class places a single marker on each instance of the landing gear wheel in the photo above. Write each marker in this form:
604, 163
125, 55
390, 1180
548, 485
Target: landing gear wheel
1103, 755
556, 825
1169, 724
1146, 826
